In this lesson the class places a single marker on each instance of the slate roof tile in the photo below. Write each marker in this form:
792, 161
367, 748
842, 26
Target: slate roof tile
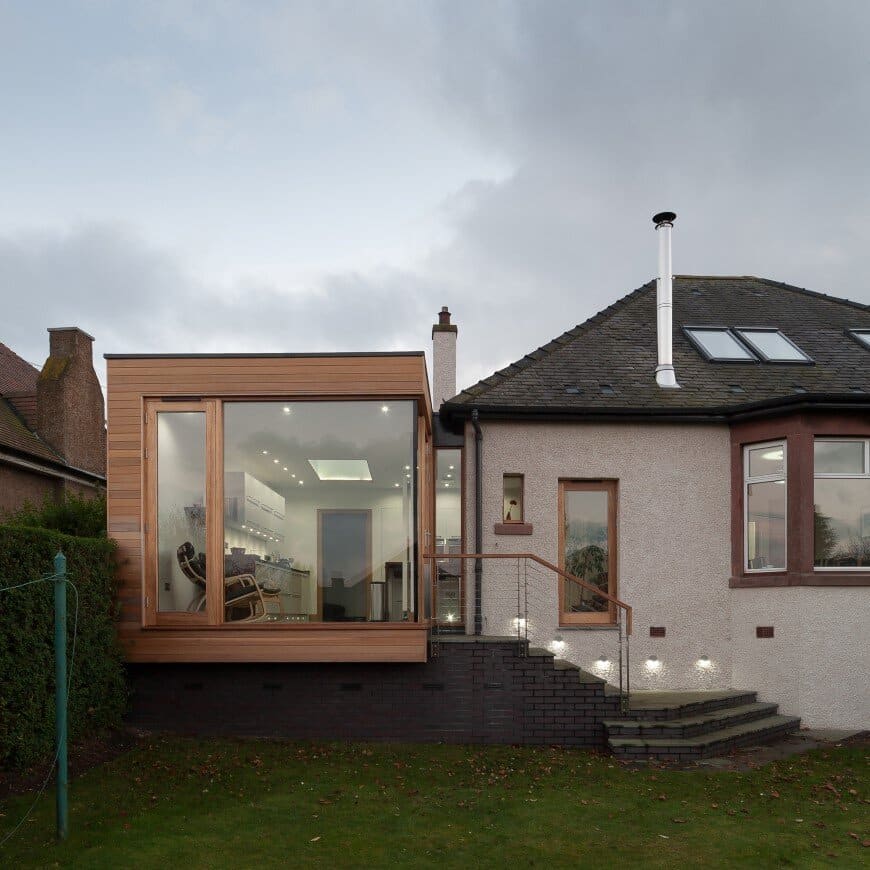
617, 346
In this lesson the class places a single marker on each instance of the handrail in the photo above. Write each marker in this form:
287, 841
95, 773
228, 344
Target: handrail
544, 563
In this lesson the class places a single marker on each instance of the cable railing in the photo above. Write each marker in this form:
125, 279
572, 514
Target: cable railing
522, 596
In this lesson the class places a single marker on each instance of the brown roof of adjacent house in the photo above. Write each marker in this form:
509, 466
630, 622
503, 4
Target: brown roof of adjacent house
16, 375
15, 435
607, 364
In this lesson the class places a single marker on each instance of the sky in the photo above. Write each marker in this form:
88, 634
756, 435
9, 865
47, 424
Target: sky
184, 176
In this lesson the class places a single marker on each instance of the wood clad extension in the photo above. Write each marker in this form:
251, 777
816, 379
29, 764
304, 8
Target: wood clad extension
133, 380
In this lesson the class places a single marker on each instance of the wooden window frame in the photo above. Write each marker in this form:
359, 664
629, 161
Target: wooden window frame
214, 485
611, 487
460, 623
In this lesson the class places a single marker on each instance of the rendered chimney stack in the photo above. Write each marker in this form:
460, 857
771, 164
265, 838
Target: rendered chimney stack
665, 376
443, 359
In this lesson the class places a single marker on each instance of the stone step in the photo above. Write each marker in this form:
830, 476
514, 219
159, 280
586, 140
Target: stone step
692, 726
659, 706
716, 742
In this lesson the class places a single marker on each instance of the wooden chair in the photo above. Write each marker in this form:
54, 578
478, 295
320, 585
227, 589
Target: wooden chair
240, 590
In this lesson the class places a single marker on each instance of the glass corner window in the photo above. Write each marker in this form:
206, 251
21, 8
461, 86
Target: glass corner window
841, 503
765, 507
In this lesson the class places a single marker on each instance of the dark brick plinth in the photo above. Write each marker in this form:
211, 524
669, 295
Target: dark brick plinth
472, 692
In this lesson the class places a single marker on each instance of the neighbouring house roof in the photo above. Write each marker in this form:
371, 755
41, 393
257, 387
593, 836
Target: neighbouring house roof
606, 366
15, 435
16, 375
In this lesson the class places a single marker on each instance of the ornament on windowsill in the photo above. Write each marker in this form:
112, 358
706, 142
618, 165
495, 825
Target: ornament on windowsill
512, 505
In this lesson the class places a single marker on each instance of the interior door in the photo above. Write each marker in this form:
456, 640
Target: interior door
344, 565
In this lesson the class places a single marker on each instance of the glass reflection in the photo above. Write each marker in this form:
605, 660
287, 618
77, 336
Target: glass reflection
586, 549
841, 517
765, 524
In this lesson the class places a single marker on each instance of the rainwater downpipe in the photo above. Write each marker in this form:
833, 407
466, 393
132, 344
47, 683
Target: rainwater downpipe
478, 523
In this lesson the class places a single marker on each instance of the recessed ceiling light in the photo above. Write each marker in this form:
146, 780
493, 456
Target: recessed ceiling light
292, 475
265, 453
285, 468
300, 482
397, 484
451, 467
385, 408
407, 468
446, 485
286, 410
275, 461
448, 475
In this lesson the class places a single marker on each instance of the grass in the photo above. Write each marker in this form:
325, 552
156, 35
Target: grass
193, 803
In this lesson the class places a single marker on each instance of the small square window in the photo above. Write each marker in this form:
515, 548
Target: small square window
718, 343
772, 346
513, 498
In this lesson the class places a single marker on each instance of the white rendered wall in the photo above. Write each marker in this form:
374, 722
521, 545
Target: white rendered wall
673, 545
817, 664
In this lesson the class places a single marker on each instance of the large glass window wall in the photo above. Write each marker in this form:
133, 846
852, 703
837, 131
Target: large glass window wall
319, 511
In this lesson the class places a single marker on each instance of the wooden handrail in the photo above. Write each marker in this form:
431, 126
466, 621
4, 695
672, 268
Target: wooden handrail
544, 563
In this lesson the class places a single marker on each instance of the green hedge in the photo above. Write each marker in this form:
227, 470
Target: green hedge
98, 693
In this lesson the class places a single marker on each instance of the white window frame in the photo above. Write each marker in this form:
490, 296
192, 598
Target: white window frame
763, 478
841, 476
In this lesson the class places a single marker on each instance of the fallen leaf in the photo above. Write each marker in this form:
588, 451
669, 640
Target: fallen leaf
314, 839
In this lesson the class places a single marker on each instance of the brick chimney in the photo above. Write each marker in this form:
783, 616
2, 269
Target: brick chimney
70, 412
443, 359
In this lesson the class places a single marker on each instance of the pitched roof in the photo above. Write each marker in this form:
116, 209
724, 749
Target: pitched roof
16, 375
15, 435
617, 347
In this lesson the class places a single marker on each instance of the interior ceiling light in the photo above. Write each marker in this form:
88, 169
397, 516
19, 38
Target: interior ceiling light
265, 453
286, 410
385, 408
341, 469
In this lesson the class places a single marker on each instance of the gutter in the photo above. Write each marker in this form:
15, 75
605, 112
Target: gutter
76, 475
722, 414
478, 523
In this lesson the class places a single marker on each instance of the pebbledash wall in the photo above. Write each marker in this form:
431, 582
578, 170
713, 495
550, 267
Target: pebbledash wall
817, 663
674, 550
673, 540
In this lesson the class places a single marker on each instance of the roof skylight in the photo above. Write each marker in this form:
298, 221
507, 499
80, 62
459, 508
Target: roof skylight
861, 335
341, 469
718, 343
772, 346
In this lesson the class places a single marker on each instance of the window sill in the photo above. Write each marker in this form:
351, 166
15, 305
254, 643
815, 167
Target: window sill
819, 577
512, 528
589, 626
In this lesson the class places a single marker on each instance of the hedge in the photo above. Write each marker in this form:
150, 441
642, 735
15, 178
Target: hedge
98, 693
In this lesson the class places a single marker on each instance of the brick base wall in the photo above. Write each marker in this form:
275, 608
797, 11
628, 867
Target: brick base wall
472, 692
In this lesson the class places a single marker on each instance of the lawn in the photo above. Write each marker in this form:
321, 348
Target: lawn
174, 802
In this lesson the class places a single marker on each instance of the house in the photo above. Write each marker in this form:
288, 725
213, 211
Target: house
732, 511
52, 423
309, 551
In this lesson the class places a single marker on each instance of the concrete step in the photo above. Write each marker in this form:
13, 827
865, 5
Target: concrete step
691, 726
660, 706
717, 742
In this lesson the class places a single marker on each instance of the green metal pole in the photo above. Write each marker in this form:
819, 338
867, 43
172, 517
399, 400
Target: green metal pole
60, 692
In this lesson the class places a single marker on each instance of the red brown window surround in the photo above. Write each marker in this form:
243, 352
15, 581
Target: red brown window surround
799, 431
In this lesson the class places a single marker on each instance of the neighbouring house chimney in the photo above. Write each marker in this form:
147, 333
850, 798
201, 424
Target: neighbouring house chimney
443, 359
70, 411
665, 376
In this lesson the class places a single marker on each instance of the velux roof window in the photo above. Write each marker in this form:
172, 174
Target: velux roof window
772, 346
862, 336
718, 343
